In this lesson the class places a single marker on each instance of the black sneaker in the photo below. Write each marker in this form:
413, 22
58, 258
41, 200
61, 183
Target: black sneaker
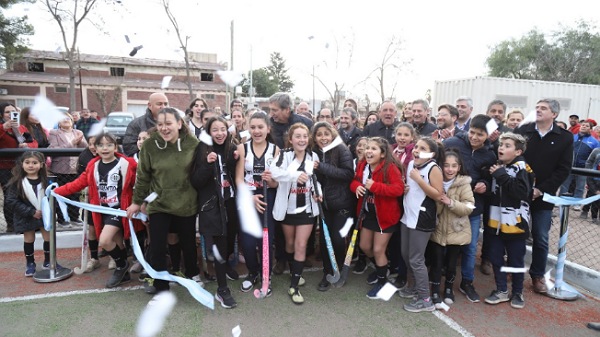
360, 266
324, 285
469, 291
225, 298
517, 301
120, 275
372, 278
249, 282
232, 274
437, 300
448, 296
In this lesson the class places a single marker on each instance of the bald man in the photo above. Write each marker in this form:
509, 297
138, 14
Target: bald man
156, 102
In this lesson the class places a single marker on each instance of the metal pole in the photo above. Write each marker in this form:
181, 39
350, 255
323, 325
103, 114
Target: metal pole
558, 292
53, 274
313, 76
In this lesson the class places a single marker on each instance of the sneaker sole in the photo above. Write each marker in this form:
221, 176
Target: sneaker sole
410, 309
448, 301
517, 306
498, 301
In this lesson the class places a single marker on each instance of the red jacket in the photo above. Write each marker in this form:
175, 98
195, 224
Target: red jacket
8, 141
87, 179
385, 194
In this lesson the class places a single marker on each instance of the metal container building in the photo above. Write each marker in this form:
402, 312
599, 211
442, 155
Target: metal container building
579, 99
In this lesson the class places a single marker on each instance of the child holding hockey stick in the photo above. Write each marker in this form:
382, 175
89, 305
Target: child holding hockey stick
425, 186
294, 205
24, 196
109, 178
378, 174
334, 172
454, 229
258, 154
212, 175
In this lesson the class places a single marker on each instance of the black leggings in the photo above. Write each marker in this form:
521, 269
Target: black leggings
185, 227
335, 220
443, 256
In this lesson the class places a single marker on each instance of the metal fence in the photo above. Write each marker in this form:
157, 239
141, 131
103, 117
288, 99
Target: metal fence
6, 214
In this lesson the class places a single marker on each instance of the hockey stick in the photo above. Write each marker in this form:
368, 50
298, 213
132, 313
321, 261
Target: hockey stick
350, 252
84, 241
336, 272
262, 293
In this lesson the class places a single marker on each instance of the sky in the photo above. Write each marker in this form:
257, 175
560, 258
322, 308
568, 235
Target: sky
440, 40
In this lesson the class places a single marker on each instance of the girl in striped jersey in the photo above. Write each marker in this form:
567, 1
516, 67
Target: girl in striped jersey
294, 206
254, 171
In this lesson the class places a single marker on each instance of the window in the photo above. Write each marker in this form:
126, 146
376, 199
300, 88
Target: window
206, 77
60, 90
208, 96
23, 102
117, 71
37, 67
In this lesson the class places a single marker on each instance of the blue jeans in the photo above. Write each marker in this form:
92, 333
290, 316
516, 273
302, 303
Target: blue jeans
515, 253
540, 227
467, 265
579, 185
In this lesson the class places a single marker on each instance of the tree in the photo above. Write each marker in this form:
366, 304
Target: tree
278, 70
183, 43
390, 61
567, 55
69, 20
264, 84
13, 42
101, 96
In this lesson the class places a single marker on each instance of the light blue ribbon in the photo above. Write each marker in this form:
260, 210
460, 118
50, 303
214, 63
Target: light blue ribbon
200, 294
569, 201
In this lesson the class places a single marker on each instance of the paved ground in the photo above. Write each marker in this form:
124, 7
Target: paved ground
84, 308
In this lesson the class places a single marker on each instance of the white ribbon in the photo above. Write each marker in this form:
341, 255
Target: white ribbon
201, 295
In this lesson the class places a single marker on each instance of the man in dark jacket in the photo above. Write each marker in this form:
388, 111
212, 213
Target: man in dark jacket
85, 122
477, 156
386, 124
420, 110
282, 117
550, 154
156, 102
348, 130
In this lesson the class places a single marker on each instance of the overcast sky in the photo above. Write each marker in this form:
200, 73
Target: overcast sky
441, 39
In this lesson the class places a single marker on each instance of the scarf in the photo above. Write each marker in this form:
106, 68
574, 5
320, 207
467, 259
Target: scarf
34, 197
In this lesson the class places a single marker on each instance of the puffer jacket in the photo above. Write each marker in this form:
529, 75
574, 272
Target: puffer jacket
134, 128
335, 172
453, 226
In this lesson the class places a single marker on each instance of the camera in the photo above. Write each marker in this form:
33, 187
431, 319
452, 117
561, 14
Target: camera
14, 115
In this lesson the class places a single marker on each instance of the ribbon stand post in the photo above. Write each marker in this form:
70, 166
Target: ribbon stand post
53, 274
558, 291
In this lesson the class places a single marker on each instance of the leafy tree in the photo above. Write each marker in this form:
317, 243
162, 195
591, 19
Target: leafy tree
263, 82
13, 42
568, 55
278, 70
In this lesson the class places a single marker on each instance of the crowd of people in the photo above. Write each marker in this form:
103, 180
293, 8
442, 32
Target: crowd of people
419, 189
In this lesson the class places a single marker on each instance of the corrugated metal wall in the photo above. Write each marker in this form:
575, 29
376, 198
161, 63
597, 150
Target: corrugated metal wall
580, 99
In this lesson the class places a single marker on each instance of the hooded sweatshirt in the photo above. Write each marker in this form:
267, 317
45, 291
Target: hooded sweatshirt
163, 167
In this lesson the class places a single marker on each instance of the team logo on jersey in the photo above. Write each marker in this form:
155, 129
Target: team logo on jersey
115, 177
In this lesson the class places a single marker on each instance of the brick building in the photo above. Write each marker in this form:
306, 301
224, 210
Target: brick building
110, 83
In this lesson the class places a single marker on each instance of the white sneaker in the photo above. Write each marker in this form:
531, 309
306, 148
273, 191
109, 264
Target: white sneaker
198, 280
91, 265
577, 208
112, 264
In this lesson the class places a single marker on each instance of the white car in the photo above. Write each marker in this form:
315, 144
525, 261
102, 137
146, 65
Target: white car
117, 122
